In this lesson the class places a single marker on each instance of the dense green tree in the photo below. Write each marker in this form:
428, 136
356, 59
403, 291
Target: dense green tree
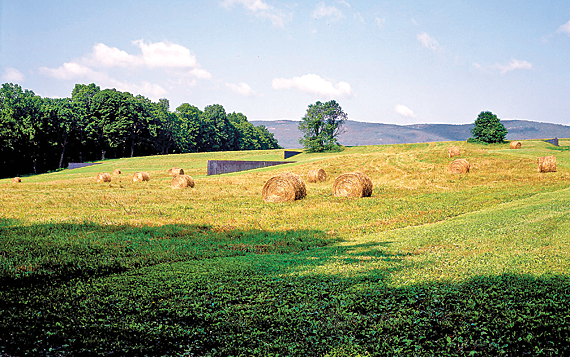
189, 128
488, 128
43, 133
216, 131
82, 97
114, 116
21, 127
321, 125
62, 117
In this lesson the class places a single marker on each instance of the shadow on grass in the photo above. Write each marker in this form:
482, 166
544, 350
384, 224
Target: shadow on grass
255, 301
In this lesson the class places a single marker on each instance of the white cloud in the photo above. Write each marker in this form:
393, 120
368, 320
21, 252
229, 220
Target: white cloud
415, 22
404, 111
12, 75
260, 9
565, 28
358, 16
241, 88
323, 11
514, 64
345, 3
163, 55
428, 41
314, 84
72, 70
379, 21
166, 55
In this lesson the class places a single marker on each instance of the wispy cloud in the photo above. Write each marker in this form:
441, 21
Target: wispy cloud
242, 89
358, 17
513, 65
404, 111
428, 42
379, 21
12, 75
564, 28
345, 3
315, 84
327, 11
260, 9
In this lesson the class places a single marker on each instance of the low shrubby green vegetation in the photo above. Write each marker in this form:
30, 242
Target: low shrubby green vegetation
432, 264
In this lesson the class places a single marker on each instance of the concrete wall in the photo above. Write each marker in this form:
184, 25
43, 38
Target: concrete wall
216, 167
77, 165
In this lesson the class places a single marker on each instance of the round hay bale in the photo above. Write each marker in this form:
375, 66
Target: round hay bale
116, 172
547, 164
175, 171
284, 187
182, 181
354, 184
104, 177
459, 166
141, 176
453, 151
515, 145
16, 180
316, 175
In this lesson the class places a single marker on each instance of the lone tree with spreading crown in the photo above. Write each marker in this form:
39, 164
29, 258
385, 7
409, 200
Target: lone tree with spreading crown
321, 125
488, 129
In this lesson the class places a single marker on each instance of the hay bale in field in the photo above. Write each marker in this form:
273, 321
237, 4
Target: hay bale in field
453, 151
547, 164
316, 175
182, 181
141, 176
16, 180
284, 187
515, 145
354, 184
103, 177
175, 171
459, 166
116, 172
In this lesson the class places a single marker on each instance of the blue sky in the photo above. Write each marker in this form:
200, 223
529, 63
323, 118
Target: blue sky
399, 62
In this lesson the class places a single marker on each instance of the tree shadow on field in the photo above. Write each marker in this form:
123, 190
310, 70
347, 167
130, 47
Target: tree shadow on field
270, 295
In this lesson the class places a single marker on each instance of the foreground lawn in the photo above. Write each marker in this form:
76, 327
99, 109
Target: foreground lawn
431, 264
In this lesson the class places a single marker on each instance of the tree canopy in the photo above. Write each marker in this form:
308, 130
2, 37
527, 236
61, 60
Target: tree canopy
488, 129
321, 126
42, 134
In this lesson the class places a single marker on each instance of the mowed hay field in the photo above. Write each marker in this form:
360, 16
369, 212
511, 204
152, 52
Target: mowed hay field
433, 263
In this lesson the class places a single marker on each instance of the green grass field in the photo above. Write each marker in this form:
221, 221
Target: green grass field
432, 264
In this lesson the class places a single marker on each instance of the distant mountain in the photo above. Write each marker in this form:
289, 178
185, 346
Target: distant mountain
360, 133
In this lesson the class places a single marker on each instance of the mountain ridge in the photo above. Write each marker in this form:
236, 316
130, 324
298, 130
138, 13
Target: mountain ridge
362, 133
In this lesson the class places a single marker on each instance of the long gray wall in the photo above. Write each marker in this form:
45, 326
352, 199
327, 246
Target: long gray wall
76, 165
216, 167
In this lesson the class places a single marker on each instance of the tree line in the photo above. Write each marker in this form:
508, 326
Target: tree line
43, 134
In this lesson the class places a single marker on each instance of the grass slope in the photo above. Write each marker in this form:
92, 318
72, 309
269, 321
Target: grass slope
431, 264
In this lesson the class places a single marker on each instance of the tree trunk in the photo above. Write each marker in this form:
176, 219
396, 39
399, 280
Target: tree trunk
103, 154
63, 151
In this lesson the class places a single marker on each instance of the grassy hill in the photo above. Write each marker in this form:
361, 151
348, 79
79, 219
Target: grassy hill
432, 264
